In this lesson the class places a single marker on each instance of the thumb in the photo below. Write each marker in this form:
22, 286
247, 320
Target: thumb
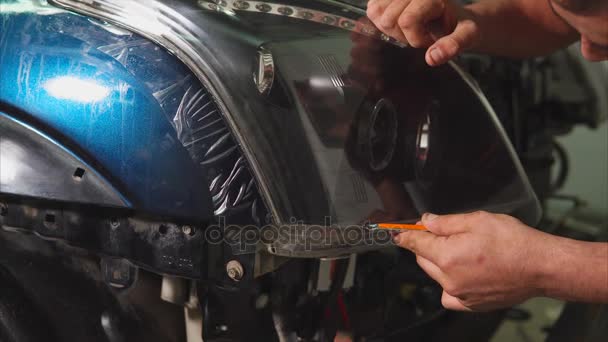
444, 225
445, 48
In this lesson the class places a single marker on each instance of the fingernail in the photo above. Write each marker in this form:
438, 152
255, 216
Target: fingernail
436, 55
429, 217
397, 238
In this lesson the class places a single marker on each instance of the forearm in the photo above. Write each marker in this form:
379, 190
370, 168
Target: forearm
575, 271
519, 28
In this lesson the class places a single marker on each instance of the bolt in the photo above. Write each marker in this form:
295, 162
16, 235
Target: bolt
188, 230
235, 270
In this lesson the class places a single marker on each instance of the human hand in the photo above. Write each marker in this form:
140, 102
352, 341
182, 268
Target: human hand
483, 261
445, 27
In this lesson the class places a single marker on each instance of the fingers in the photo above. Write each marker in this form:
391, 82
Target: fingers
415, 19
421, 243
431, 269
391, 14
464, 36
375, 8
388, 21
406, 20
417, 23
593, 52
452, 303
445, 225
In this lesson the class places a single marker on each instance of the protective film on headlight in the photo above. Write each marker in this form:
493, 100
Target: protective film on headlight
339, 123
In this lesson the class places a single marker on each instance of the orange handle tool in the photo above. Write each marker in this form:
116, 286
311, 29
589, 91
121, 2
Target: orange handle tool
398, 226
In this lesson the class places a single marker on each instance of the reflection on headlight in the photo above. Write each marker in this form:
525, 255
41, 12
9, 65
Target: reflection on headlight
75, 89
10, 153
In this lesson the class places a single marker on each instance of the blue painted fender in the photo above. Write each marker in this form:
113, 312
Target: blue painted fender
91, 88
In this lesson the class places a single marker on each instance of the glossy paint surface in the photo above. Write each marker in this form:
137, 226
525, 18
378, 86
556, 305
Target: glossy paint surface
93, 87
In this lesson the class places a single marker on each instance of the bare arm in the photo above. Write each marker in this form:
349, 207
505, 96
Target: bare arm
576, 271
519, 28
487, 261
511, 28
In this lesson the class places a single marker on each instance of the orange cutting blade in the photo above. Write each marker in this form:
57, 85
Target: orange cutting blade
401, 226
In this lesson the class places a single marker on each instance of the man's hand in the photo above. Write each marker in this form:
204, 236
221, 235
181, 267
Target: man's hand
447, 28
483, 261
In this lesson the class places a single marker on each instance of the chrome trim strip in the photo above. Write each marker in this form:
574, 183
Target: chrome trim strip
229, 6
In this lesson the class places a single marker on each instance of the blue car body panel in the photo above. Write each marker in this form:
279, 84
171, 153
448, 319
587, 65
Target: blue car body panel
93, 87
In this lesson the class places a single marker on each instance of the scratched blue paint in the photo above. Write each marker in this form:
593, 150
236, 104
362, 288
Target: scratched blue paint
125, 133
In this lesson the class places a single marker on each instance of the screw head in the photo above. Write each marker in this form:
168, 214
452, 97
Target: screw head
188, 230
235, 270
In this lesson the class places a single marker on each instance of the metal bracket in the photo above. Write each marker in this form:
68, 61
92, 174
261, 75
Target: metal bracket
160, 246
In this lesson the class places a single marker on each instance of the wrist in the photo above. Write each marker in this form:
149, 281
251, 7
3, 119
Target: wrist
572, 270
555, 263
542, 261
547, 265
